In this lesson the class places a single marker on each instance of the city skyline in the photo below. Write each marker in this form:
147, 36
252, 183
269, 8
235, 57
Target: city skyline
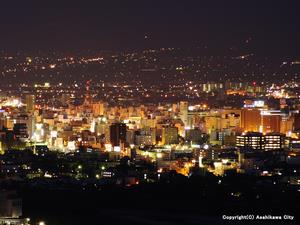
149, 112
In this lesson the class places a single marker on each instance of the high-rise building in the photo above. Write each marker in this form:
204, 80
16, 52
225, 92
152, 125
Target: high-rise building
196, 136
30, 101
211, 86
145, 137
118, 134
252, 140
29, 121
271, 123
274, 141
169, 135
277, 121
183, 112
20, 130
287, 125
98, 108
259, 141
250, 119
130, 136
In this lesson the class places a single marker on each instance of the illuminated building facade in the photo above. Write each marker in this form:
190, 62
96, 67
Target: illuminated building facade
274, 141
30, 101
145, 137
169, 135
271, 123
98, 109
250, 119
183, 110
252, 140
259, 141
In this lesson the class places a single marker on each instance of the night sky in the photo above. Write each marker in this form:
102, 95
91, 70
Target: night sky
271, 27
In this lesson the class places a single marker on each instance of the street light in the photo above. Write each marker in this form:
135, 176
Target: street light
206, 146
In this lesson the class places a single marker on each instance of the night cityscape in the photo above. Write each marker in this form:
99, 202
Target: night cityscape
149, 112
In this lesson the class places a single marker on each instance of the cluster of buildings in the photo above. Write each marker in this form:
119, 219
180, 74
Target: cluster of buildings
95, 145
154, 131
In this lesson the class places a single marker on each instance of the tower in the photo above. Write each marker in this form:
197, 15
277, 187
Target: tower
30, 101
183, 112
118, 134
